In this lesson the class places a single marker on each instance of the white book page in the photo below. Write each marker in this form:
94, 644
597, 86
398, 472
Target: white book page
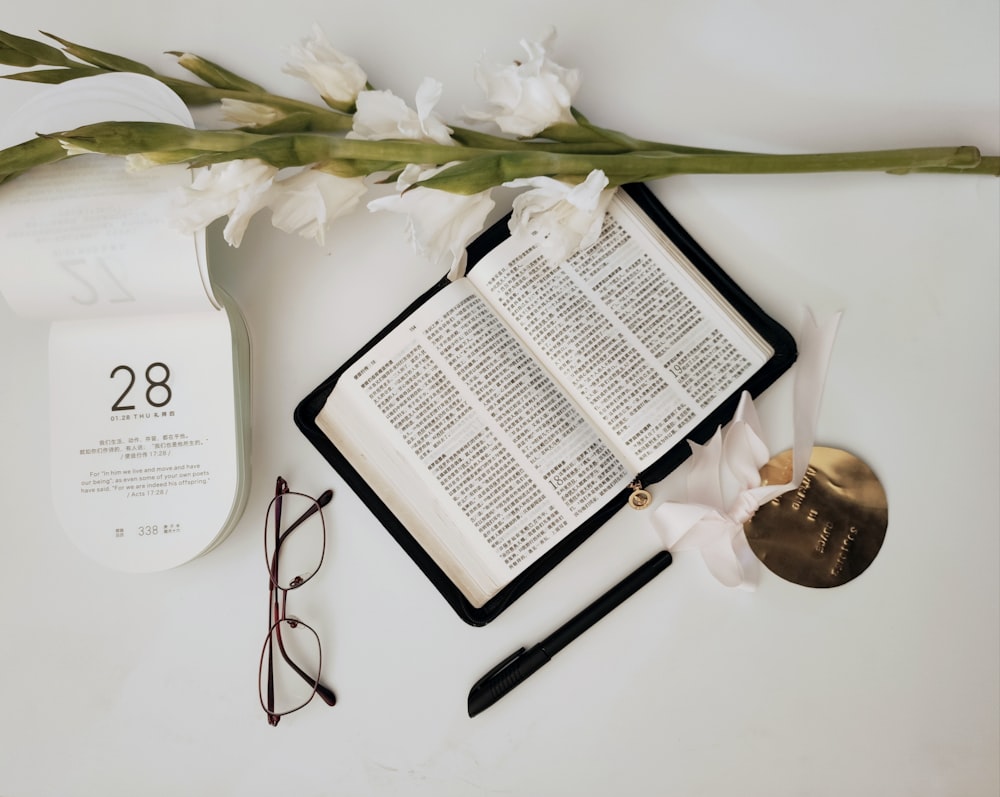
85, 238
643, 343
475, 443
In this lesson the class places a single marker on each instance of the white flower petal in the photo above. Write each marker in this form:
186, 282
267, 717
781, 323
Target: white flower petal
527, 97
236, 189
250, 200
337, 77
382, 115
378, 116
439, 224
431, 127
309, 201
139, 162
72, 148
563, 218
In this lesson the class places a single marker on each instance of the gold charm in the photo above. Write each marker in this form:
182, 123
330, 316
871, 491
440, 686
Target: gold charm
640, 498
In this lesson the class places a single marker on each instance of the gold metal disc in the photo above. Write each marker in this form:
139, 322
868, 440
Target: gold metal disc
640, 499
828, 530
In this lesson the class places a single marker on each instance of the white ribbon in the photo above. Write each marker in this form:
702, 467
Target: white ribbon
709, 521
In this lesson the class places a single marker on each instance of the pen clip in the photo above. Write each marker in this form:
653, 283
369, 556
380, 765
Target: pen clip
499, 668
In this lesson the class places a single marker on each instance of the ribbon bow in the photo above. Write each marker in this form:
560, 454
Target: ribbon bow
729, 465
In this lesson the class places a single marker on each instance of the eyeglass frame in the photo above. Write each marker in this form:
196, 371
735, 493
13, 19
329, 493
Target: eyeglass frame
277, 605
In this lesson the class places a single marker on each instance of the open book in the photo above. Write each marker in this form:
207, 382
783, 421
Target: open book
505, 416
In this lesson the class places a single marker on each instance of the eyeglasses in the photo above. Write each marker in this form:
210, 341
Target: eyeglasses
292, 658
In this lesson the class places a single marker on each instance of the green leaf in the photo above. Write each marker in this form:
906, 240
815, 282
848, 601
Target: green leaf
53, 76
10, 57
100, 58
485, 171
567, 133
38, 52
468, 177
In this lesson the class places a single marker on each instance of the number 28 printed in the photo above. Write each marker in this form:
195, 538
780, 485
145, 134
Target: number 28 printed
158, 392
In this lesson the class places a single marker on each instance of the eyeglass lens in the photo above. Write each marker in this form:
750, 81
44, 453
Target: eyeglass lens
295, 539
290, 667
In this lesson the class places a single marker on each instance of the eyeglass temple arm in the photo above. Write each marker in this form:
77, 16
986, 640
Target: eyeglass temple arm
322, 501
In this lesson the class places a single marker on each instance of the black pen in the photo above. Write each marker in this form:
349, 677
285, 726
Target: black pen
515, 668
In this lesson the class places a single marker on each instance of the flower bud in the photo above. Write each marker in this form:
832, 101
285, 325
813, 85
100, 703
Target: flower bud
213, 74
250, 114
126, 138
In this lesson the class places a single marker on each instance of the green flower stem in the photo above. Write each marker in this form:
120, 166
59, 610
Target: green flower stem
585, 135
36, 152
299, 149
569, 138
566, 144
650, 165
498, 160
492, 169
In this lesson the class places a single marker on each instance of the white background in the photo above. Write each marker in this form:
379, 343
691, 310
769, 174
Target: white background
125, 685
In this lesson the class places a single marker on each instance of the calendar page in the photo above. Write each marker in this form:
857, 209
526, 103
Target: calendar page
147, 367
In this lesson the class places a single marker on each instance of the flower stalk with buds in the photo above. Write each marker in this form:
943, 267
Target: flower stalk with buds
544, 145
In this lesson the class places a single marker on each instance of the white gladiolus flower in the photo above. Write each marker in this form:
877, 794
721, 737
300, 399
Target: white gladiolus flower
382, 115
440, 224
564, 218
237, 189
304, 203
249, 114
528, 96
308, 201
337, 77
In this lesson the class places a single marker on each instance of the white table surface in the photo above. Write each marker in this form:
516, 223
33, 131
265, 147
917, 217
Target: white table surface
145, 685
